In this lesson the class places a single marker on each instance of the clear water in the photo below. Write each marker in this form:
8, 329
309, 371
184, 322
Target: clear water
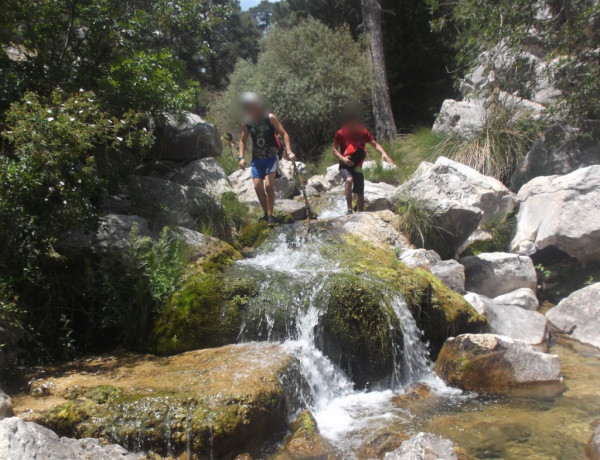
486, 428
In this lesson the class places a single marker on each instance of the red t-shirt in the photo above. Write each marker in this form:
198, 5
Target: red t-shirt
345, 139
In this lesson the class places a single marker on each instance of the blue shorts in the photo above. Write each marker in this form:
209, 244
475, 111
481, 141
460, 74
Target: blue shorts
262, 168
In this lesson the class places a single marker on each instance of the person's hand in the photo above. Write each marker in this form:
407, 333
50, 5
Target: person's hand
242, 164
291, 156
388, 160
347, 161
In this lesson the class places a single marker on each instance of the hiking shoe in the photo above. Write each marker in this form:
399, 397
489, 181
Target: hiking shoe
350, 212
262, 219
270, 221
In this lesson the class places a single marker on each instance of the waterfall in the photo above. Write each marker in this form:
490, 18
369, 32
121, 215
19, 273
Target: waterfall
293, 274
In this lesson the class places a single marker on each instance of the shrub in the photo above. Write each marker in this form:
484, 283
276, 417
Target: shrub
416, 221
497, 148
308, 73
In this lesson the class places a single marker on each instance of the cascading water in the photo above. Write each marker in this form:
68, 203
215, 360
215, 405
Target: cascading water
295, 265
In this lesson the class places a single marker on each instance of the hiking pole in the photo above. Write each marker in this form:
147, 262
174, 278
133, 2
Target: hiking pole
303, 189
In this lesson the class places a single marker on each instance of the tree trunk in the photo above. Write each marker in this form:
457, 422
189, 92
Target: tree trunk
385, 127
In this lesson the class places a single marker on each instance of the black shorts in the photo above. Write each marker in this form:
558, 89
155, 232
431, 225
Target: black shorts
359, 179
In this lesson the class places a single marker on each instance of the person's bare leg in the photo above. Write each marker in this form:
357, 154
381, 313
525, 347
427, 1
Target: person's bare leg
360, 199
259, 187
349, 185
270, 188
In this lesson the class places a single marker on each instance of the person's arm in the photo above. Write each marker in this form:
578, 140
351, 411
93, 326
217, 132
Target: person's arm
242, 147
287, 154
336, 152
384, 156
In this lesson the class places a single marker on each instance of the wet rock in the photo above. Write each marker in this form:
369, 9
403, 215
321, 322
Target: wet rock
383, 443
459, 197
424, 446
498, 273
378, 228
579, 315
560, 212
561, 150
495, 364
304, 441
169, 203
244, 457
218, 402
296, 210
523, 298
20, 440
206, 174
414, 392
593, 447
450, 272
6, 406
356, 332
510, 320
186, 137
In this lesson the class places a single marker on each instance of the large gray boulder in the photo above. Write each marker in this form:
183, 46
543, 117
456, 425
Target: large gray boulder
495, 364
511, 321
170, 203
293, 208
461, 117
186, 137
379, 196
206, 174
450, 272
20, 440
523, 298
285, 186
424, 446
459, 197
497, 273
579, 315
561, 150
593, 447
560, 212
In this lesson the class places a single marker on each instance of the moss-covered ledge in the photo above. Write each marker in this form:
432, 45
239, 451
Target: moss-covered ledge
440, 312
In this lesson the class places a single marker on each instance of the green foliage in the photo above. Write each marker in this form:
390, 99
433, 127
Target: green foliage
501, 230
308, 73
416, 221
236, 213
498, 147
253, 235
48, 178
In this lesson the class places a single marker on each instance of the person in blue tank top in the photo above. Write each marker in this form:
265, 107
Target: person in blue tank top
265, 130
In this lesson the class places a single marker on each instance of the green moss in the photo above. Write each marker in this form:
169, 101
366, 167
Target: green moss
220, 259
253, 235
356, 330
440, 312
103, 393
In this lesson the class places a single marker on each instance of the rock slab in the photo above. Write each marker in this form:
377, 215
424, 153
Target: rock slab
497, 273
579, 315
560, 212
20, 440
424, 446
450, 272
494, 364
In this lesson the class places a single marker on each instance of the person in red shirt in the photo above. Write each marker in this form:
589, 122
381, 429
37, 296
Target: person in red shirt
350, 148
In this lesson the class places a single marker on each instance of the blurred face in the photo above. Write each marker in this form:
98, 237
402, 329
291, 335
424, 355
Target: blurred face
254, 111
353, 125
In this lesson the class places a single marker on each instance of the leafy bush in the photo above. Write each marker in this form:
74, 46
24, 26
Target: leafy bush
308, 73
236, 213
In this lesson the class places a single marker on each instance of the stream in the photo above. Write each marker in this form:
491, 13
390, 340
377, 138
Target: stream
294, 270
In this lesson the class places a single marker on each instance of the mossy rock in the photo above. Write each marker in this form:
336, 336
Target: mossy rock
304, 441
355, 331
205, 312
216, 402
440, 312
253, 235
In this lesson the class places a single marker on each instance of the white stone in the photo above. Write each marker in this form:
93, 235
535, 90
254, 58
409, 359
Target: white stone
498, 273
450, 272
509, 320
424, 446
561, 212
523, 298
579, 315
206, 174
